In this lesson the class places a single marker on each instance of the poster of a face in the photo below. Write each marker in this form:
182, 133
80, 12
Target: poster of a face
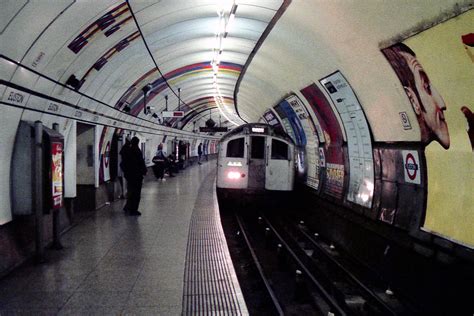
436, 70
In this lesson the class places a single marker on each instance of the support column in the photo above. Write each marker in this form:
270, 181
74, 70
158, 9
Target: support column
38, 192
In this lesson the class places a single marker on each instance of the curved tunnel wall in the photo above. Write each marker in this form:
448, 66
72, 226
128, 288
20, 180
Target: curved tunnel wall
312, 41
413, 180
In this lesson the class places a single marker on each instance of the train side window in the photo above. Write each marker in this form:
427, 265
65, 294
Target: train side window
258, 147
279, 150
235, 148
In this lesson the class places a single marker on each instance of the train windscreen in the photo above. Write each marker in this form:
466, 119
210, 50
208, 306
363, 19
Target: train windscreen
235, 148
279, 150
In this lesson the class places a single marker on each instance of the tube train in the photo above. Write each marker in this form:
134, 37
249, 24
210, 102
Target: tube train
255, 158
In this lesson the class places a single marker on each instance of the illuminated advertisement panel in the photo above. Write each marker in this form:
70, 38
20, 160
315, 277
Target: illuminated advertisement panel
359, 141
331, 150
57, 174
435, 68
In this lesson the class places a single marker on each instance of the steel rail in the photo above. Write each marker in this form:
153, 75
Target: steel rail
329, 299
275, 301
350, 275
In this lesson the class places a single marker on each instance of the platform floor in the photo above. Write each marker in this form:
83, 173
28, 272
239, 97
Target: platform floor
172, 260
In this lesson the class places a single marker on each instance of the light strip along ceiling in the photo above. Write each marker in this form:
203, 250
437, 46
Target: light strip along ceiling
200, 48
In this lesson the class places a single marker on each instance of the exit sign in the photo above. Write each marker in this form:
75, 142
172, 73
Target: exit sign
173, 113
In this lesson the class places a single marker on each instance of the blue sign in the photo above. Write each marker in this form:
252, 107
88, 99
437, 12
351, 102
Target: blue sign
286, 112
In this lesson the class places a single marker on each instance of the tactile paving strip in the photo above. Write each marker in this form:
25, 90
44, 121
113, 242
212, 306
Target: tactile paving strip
211, 286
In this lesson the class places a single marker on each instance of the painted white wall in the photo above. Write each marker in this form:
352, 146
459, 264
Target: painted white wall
315, 38
9, 120
311, 40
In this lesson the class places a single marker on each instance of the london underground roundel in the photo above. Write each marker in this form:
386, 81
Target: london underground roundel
411, 166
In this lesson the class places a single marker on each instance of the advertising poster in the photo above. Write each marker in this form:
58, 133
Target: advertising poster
333, 154
359, 140
312, 153
291, 122
271, 118
57, 174
436, 70
205, 147
285, 122
194, 146
215, 147
211, 147
104, 153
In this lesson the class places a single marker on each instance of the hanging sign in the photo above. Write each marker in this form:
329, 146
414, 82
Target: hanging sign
173, 113
212, 129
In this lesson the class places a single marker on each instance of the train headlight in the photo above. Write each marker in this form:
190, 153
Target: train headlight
234, 175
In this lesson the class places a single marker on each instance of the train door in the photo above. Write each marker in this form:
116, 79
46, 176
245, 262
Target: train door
279, 166
256, 163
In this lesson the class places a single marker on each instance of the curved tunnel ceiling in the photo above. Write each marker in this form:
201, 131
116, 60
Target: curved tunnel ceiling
278, 55
192, 40
317, 38
198, 52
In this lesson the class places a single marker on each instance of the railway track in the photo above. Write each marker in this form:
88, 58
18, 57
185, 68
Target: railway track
303, 275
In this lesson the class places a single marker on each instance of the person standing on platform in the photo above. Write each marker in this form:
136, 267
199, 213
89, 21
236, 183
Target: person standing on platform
160, 162
182, 155
123, 152
134, 169
199, 153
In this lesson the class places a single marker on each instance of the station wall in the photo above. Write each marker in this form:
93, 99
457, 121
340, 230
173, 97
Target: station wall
421, 186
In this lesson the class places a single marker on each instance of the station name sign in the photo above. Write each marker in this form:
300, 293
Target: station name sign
212, 129
173, 113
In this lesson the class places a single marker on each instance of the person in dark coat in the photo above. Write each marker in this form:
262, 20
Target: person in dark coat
123, 151
160, 162
199, 153
134, 169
